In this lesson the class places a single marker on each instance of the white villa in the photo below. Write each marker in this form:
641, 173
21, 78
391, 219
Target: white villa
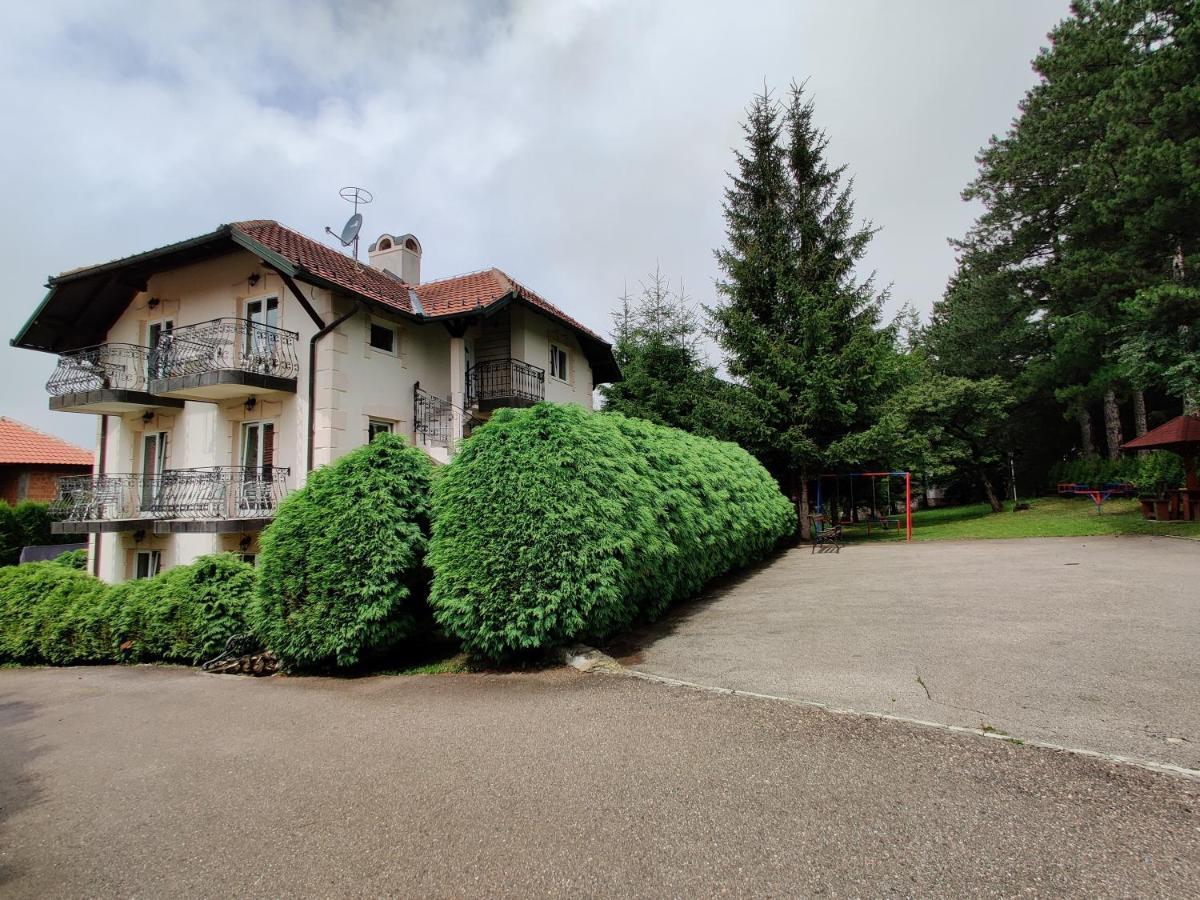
222, 369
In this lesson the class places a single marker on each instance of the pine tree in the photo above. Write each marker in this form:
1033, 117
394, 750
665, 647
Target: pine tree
800, 333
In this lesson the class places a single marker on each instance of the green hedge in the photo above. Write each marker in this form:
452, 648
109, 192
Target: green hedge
28, 524
186, 614
342, 570
554, 523
1146, 471
58, 614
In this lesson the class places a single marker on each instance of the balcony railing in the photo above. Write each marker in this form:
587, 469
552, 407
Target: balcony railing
235, 344
209, 493
502, 382
433, 419
219, 492
98, 498
119, 367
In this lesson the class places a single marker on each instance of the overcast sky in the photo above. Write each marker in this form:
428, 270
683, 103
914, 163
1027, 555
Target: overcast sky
574, 145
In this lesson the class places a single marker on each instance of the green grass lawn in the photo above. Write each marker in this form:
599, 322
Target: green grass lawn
1049, 517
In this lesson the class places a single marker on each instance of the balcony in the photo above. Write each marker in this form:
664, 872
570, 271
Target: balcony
494, 383
211, 499
108, 379
222, 359
434, 422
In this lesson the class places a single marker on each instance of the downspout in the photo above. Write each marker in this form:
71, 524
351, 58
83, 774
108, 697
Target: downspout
100, 465
312, 377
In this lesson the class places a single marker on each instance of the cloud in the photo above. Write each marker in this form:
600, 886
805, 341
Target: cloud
576, 145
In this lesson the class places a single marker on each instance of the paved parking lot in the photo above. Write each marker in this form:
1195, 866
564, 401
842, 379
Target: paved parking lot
1083, 642
164, 782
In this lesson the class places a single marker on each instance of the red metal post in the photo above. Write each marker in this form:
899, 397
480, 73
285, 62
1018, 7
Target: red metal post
908, 505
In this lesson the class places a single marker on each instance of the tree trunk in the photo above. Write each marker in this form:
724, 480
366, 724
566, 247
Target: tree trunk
1139, 416
802, 509
1084, 418
990, 492
1112, 424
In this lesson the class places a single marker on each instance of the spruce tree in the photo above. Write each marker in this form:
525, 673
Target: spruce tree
800, 332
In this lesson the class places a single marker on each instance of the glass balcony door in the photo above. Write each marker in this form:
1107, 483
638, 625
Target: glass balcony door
154, 461
260, 345
159, 349
258, 465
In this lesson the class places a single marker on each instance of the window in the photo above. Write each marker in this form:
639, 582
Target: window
264, 312
250, 559
262, 317
383, 337
147, 563
558, 363
378, 426
255, 490
158, 340
154, 460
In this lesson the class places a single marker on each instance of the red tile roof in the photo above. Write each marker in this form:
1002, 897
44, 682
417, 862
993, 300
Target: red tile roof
20, 444
1179, 431
328, 263
443, 298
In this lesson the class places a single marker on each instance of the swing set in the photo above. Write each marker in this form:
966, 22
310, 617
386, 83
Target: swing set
843, 514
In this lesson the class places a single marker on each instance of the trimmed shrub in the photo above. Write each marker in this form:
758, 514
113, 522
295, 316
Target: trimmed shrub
57, 614
554, 523
341, 570
185, 614
47, 614
72, 559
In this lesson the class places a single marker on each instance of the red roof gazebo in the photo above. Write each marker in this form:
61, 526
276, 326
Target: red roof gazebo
1180, 435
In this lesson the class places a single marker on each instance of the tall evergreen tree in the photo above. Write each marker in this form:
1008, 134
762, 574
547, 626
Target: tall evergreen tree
800, 332
656, 341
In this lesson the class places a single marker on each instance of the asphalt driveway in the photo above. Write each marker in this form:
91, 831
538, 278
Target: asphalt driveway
156, 782
1083, 642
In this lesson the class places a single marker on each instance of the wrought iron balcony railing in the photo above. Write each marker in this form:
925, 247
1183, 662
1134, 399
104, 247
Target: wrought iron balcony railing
237, 344
219, 492
504, 381
433, 419
102, 498
121, 367
209, 493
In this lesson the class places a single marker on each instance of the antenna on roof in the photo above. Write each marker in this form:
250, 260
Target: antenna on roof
353, 226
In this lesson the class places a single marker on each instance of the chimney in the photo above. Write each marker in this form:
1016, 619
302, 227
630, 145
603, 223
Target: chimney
399, 255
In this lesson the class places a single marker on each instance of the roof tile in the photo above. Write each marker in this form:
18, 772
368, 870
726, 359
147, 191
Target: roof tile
20, 444
443, 298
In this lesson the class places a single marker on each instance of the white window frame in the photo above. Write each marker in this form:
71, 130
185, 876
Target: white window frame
388, 326
153, 563
373, 421
165, 325
162, 443
560, 353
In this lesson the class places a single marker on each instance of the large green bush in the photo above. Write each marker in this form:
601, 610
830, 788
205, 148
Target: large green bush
554, 523
47, 614
57, 614
342, 566
185, 614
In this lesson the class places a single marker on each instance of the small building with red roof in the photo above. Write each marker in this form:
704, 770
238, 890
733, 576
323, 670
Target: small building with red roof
225, 367
31, 462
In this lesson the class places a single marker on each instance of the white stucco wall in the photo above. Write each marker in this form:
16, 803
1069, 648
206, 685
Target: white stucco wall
532, 334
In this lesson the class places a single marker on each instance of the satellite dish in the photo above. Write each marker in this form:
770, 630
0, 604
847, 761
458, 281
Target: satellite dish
351, 229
